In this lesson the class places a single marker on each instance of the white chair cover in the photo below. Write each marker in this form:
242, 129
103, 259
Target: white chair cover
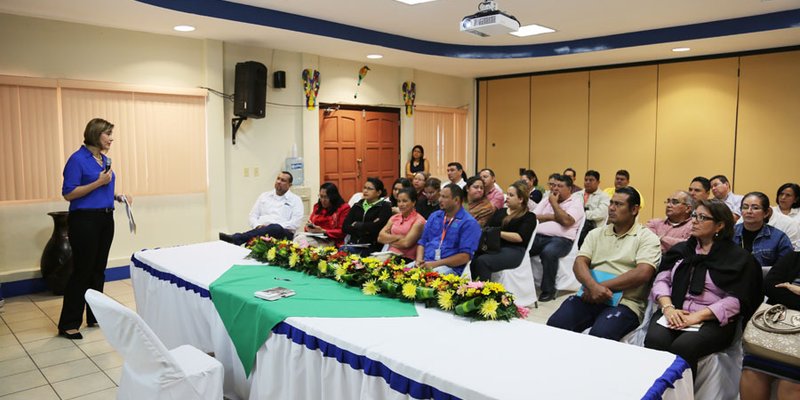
150, 370
565, 278
718, 374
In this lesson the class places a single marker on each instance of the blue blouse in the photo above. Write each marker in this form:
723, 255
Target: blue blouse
83, 169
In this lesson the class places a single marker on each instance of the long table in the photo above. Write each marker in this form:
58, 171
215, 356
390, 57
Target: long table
436, 355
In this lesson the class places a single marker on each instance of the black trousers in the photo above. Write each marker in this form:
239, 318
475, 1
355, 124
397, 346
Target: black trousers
507, 257
691, 346
90, 235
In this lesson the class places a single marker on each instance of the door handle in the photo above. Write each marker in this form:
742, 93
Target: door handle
358, 168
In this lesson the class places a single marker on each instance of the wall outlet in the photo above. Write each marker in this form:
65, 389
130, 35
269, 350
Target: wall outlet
246, 172
255, 171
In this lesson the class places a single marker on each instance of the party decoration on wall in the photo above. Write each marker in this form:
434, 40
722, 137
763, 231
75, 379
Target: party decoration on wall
361, 74
409, 94
311, 82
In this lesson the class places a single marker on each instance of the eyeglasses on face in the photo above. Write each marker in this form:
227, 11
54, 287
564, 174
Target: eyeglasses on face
672, 201
753, 208
701, 217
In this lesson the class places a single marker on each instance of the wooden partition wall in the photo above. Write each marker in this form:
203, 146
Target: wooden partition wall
664, 123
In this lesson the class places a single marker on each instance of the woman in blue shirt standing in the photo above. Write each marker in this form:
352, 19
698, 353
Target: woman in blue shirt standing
89, 188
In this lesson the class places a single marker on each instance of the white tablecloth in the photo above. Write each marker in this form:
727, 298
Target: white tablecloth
438, 352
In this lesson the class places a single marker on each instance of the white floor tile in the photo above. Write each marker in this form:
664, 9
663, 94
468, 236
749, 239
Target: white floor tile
48, 344
35, 334
83, 385
92, 335
108, 360
107, 394
96, 348
41, 322
45, 392
33, 313
115, 374
19, 382
59, 356
8, 340
12, 352
69, 370
15, 366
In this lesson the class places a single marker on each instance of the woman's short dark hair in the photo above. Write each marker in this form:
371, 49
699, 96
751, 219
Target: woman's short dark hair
472, 180
531, 175
433, 183
403, 181
795, 188
410, 192
378, 183
334, 197
95, 128
720, 213
764, 203
421, 150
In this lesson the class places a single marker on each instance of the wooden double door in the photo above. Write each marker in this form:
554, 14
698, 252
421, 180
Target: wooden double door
356, 144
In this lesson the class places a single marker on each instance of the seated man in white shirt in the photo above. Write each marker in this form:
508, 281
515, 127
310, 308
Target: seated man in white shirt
595, 203
277, 213
456, 174
559, 218
721, 189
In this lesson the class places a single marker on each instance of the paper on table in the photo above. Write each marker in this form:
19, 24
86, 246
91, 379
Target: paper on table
691, 328
129, 212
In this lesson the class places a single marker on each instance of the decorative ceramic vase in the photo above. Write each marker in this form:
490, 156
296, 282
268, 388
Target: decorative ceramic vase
56, 263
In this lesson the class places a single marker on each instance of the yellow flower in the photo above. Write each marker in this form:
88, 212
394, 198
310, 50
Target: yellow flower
322, 266
384, 275
340, 270
370, 288
471, 292
495, 287
409, 290
489, 309
446, 300
271, 254
486, 291
293, 260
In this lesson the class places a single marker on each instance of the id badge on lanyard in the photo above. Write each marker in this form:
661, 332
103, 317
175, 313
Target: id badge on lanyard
437, 255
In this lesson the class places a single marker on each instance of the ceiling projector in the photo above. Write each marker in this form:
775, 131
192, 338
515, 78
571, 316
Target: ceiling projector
489, 21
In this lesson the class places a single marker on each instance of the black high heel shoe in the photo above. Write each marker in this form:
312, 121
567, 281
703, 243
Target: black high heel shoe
72, 336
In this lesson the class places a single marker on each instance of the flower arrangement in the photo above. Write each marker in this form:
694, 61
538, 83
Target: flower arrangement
392, 278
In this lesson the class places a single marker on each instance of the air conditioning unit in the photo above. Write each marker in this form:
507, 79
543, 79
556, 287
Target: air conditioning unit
489, 22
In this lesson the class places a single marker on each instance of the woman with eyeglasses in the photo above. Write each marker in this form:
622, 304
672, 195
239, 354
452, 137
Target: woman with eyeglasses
782, 286
366, 218
706, 282
755, 235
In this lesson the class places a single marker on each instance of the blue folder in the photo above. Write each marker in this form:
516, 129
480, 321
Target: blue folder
601, 276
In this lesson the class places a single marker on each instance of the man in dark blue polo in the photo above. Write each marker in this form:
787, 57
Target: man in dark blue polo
451, 235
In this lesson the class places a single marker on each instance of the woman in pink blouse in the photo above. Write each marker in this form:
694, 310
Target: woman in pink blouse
706, 281
403, 229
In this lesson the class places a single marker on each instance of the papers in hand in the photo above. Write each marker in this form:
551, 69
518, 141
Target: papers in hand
274, 293
601, 276
691, 328
129, 212
316, 235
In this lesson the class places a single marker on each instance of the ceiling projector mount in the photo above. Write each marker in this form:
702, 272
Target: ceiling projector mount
489, 21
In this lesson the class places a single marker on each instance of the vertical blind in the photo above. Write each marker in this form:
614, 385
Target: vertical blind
159, 138
443, 134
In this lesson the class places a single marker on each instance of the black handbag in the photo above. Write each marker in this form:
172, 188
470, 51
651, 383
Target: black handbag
490, 239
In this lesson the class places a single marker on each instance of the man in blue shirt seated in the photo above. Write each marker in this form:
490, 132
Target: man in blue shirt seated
451, 235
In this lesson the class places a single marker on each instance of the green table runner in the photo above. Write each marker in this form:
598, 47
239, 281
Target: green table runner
249, 320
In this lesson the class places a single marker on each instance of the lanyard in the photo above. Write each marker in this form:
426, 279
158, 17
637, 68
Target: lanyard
445, 227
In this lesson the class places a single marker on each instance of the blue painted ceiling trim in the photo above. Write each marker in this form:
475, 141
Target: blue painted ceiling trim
298, 23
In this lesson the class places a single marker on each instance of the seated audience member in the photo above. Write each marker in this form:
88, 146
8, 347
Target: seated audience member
403, 229
516, 226
491, 189
572, 174
456, 174
767, 243
477, 204
398, 185
431, 202
559, 217
721, 189
699, 188
450, 237
367, 217
782, 286
625, 250
534, 194
419, 184
708, 280
788, 199
595, 204
787, 225
623, 179
417, 162
277, 213
676, 227
328, 215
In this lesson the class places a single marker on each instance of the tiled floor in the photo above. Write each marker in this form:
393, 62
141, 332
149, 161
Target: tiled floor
37, 364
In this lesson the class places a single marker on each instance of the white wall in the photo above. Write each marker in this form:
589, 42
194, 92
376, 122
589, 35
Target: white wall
42, 48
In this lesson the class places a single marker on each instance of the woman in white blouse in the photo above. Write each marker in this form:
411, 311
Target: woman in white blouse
788, 199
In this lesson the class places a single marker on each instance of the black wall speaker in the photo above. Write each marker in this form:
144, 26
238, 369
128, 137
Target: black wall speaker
250, 93
279, 79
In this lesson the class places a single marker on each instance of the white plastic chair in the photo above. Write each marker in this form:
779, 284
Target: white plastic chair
150, 370
718, 374
518, 281
565, 277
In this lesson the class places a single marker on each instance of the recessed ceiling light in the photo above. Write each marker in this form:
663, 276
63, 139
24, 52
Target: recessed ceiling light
183, 28
681, 49
374, 56
530, 30
414, 2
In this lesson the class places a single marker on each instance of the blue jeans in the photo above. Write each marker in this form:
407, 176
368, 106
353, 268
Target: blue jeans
606, 322
273, 230
550, 249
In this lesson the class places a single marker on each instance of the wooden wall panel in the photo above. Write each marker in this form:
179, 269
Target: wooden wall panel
696, 123
622, 127
507, 127
559, 123
768, 136
480, 150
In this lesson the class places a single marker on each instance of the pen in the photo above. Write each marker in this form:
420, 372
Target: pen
283, 279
